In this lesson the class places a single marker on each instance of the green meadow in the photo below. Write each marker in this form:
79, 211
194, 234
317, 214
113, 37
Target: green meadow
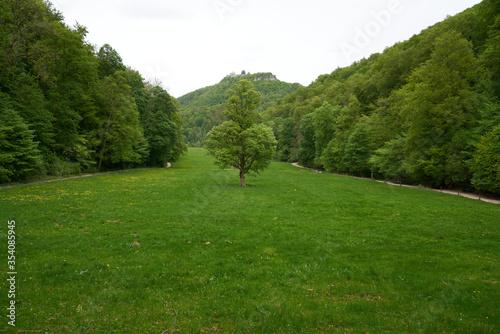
187, 250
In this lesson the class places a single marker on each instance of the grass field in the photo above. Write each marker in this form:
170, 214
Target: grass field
187, 250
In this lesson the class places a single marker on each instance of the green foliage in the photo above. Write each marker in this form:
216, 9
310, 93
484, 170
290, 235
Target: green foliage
440, 101
492, 54
357, 149
324, 128
83, 108
22, 21
162, 128
203, 109
109, 61
284, 131
19, 154
414, 113
119, 134
28, 99
389, 159
334, 156
307, 151
240, 142
242, 104
486, 162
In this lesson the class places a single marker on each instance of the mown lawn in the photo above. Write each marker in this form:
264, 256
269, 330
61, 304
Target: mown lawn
187, 250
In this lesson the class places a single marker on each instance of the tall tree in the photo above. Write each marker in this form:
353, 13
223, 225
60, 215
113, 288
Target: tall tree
27, 98
324, 119
109, 60
441, 101
121, 138
240, 142
161, 128
307, 150
67, 68
358, 149
19, 154
492, 54
334, 155
21, 21
286, 136
486, 162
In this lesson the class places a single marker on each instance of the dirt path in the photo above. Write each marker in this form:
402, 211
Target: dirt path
296, 164
450, 192
169, 165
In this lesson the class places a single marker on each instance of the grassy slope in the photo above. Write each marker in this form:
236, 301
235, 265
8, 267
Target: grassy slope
296, 251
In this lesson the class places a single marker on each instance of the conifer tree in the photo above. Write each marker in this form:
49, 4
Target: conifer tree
19, 154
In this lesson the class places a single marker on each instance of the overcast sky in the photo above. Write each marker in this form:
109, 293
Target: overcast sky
190, 44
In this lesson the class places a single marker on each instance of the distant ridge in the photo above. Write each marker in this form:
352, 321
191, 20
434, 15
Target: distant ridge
202, 109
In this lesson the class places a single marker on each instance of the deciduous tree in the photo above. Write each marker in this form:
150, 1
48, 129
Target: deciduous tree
240, 142
486, 162
120, 135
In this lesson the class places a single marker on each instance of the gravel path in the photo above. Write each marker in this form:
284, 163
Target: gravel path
450, 192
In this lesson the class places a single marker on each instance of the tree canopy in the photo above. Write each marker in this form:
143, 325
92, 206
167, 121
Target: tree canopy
68, 107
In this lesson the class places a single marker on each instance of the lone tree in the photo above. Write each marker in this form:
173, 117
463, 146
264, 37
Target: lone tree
241, 142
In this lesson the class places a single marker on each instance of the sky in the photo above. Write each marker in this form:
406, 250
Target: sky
191, 44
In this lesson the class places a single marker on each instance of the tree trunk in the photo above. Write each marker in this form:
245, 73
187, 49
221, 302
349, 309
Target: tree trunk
102, 154
106, 135
242, 178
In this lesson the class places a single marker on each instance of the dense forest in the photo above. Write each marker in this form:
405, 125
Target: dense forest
202, 109
425, 111
67, 107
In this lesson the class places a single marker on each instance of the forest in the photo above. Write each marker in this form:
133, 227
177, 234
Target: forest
425, 111
67, 107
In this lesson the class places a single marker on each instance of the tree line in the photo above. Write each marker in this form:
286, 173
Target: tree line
425, 111
67, 107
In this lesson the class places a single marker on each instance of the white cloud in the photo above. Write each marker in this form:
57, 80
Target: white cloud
189, 44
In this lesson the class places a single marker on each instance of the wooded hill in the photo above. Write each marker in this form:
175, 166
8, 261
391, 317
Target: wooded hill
202, 109
425, 111
67, 108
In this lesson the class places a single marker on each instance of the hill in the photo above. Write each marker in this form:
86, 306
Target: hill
202, 109
425, 111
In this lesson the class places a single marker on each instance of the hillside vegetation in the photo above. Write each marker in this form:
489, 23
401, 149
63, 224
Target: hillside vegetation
425, 111
67, 107
202, 109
